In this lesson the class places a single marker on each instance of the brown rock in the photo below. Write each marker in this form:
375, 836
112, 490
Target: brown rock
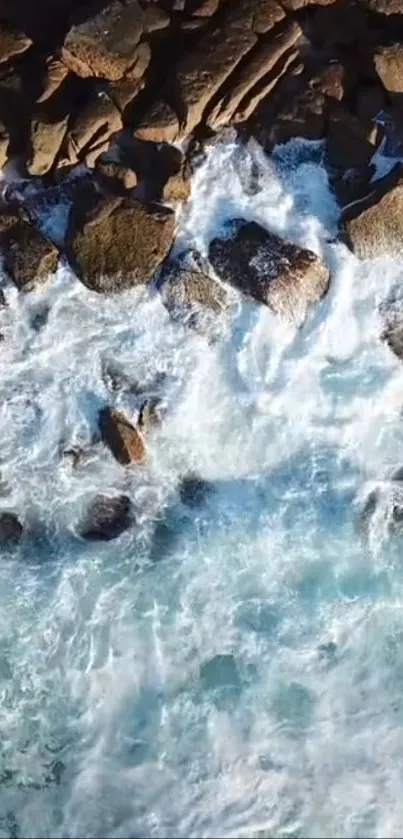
331, 81
12, 43
122, 249
4, 143
263, 59
90, 130
160, 124
104, 46
389, 66
30, 258
115, 177
56, 73
272, 271
374, 225
206, 8
122, 438
155, 18
46, 138
293, 5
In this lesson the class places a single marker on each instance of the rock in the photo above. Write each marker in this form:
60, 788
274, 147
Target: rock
107, 517
206, 8
55, 74
186, 291
164, 539
221, 671
121, 437
264, 60
104, 46
350, 142
374, 225
385, 7
115, 177
194, 490
161, 168
392, 312
90, 130
149, 415
389, 66
12, 43
122, 249
30, 258
296, 110
159, 125
11, 529
46, 138
155, 18
272, 271
116, 380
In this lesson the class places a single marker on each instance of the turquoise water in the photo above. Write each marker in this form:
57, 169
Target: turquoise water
246, 676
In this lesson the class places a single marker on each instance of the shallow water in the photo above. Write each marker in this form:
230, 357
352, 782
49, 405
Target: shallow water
247, 676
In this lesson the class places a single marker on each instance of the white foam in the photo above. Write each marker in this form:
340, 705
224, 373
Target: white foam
100, 652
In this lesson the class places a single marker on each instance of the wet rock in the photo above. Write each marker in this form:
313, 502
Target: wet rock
11, 529
30, 259
187, 292
12, 43
272, 271
374, 225
116, 380
194, 490
155, 18
104, 45
164, 539
149, 415
122, 438
221, 671
107, 517
389, 66
122, 249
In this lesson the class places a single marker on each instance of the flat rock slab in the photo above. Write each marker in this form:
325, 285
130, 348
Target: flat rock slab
123, 248
263, 266
104, 46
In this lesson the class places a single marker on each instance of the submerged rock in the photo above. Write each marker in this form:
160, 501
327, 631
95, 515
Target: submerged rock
107, 517
122, 438
11, 529
272, 271
220, 672
194, 490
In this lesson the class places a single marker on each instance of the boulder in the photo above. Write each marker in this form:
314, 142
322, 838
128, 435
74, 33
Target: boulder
122, 438
11, 529
122, 249
107, 517
12, 43
30, 259
263, 266
374, 224
389, 66
104, 45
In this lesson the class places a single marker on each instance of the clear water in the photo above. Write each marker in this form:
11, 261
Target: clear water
116, 716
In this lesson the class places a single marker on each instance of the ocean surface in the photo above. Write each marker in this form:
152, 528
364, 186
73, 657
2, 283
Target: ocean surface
244, 677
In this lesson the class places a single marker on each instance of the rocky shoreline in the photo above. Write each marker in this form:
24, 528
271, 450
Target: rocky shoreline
106, 109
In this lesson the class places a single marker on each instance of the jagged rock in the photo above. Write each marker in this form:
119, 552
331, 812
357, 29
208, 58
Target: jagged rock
114, 177
265, 58
107, 517
202, 71
122, 438
104, 46
374, 225
389, 66
272, 271
186, 290
12, 43
11, 529
122, 249
90, 130
30, 259
194, 490
46, 138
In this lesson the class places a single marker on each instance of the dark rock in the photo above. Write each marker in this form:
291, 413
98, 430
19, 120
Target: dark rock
272, 271
104, 45
193, 490
107, 517
122, 249
220, 672
11, 529
30, 258
350, 142
122, 438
